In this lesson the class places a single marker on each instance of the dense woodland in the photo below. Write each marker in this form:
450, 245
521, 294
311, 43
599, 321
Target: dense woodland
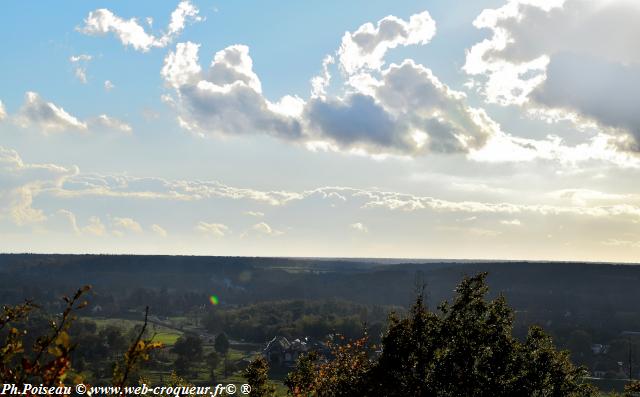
589, 309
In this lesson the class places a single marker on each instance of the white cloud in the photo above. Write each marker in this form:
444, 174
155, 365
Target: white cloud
3, 111
106, 123
21, 182
126, 224
108, 85
257, 214
403, 109
407, 111
565, 59
46, 115
263, 229
359, 227
612, 242
95, 227
576, 202
49, 117
65, 221
212, 229
320, 83
159, 230
181, 66
226, 99
131, 33
37, 196
367, 46
79, 63
158, 188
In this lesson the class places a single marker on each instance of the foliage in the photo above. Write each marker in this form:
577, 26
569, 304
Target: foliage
292, 318
346, 374
138, 351
467, 349
49, 359
632, 389
221, 343
257, 377
188, 349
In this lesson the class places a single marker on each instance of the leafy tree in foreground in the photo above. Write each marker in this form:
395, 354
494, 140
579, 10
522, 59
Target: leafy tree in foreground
257, 377
48, 361
346, 374
465, 349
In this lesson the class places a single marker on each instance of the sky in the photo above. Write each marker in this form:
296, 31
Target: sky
475, 129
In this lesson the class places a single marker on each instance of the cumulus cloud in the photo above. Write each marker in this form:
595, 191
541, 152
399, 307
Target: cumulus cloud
563, 59
107, 123
403, 109
39, 113
108, 85
212, 229
367, 46
46, 115
131, 33
227, 98
320, 83
3, 111
407, 110
79, 63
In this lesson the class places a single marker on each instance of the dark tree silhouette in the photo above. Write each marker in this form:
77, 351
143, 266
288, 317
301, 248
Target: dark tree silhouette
466, 348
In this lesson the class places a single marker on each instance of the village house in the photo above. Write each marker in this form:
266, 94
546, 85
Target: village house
284, 353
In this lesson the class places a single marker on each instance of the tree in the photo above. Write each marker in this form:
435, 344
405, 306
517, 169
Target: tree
49, 360
257, 377
213, 360
466, 348
221, 345
188, 349
579, 343
303, 380
346, 374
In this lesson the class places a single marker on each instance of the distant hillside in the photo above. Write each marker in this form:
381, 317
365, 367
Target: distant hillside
539, 291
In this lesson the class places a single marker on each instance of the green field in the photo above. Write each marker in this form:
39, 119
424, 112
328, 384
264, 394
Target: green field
168, 336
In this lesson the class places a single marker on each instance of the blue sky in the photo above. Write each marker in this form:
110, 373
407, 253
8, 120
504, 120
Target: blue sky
433, 129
